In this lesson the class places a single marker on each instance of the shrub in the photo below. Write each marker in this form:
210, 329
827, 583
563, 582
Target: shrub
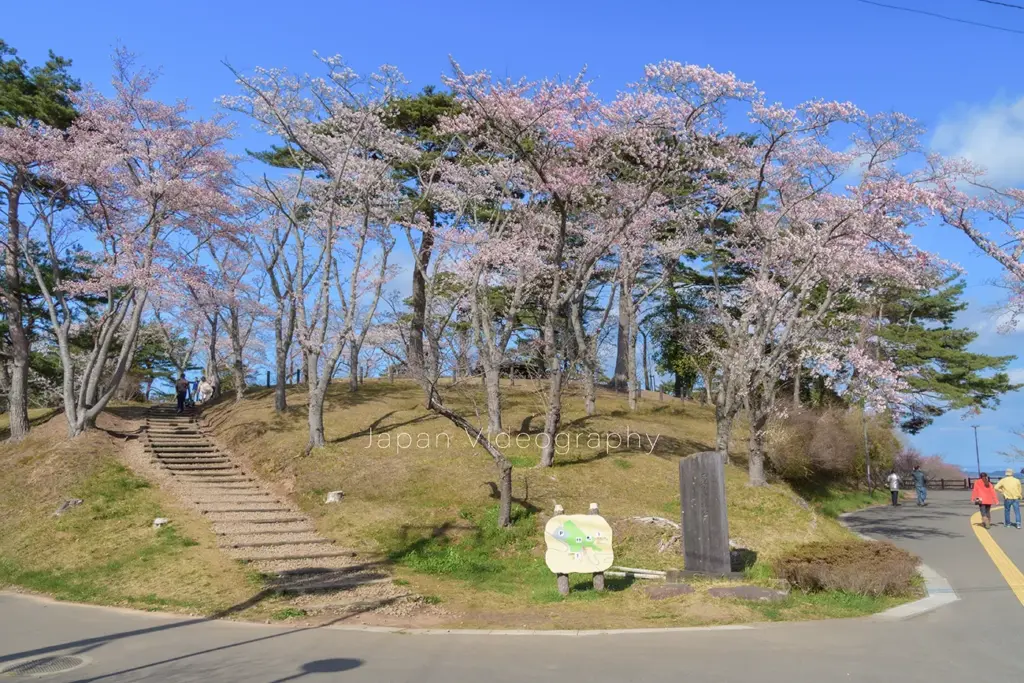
855, 566
828, 445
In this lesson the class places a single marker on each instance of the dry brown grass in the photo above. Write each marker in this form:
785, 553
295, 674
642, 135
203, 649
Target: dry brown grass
852, 566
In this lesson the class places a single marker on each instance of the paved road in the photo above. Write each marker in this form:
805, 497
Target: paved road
944, 645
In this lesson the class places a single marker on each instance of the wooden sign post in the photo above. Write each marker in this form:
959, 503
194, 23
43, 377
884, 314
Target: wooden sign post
705, 524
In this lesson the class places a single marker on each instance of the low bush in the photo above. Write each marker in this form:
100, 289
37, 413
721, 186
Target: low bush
854, 566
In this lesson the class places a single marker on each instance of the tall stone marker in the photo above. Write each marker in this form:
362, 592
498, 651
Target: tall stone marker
705, 526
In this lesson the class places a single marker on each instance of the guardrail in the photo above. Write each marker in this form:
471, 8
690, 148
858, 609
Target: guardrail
965, 484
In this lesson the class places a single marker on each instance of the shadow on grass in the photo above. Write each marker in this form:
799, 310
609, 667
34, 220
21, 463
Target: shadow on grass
42, 418
666, 448
377, 427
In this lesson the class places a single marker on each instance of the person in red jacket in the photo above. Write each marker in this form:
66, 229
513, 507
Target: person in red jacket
984, 496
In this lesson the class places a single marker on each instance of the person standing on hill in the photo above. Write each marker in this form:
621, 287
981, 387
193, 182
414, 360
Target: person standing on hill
1009, 486
893, 480
919, 485
181, 388
984, 496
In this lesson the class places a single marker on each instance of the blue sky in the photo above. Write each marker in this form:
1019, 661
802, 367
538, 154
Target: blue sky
963, 82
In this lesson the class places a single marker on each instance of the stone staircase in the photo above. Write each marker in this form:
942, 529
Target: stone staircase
252, 524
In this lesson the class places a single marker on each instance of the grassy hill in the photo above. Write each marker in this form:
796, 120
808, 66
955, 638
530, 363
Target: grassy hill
419, 494
105, 550
419, 498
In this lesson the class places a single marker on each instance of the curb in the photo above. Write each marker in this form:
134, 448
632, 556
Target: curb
940, 594
939, 591
527, 632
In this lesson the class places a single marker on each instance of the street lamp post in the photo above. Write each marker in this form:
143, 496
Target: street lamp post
977, 452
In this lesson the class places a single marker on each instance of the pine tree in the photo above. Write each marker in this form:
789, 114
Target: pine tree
916, 333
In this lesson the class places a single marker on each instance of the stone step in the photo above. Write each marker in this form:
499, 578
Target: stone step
188, 459
213, 488
185, 467
272, 557
183, 448
199, 478
309, 569
174, 440
259, 520
236, 508
324, 586
227, 500
277, 542
226, 529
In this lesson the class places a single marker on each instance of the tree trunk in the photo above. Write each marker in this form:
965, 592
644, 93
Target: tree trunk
212, 374
647, 373
417, 356
553, 418
632, 382
723, 431
504, 494
237, 351
589, 391
796, 384
492, 387
621, 362
677, 386
18, 393
316, 420
353, 366
280, 366
755, 463
504, 466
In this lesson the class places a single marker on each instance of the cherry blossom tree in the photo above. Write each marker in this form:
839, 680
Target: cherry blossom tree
968, 201
807, 251
143, 183
595, 171
340, 202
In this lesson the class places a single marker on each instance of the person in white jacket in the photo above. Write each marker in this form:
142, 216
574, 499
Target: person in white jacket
893, 480
205, 390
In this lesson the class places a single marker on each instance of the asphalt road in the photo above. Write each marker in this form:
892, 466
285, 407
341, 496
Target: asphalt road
974, 638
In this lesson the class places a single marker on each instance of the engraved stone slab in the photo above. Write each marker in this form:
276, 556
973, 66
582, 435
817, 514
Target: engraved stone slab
705, 525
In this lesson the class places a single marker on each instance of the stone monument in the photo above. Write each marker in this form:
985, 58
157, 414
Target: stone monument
705, 525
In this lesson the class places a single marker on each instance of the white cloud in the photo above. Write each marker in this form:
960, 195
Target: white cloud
1016, 375
990, 135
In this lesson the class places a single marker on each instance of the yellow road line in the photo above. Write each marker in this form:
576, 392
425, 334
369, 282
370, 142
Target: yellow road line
1004, 564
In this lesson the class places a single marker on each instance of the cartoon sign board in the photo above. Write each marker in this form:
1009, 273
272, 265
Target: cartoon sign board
578, 544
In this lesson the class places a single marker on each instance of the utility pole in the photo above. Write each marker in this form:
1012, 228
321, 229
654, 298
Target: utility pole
977, 452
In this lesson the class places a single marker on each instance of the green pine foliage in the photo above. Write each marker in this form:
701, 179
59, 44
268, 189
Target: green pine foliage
917, 333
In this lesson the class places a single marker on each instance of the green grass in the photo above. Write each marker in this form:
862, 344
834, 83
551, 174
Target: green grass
488, 557
823, 605
833, 501
105, 550
114, 497
288, 613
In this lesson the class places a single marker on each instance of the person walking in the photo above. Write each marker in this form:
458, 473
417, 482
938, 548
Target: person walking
984, 496
181, 388
919, 485
893, 480
1010, 487
205, 389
